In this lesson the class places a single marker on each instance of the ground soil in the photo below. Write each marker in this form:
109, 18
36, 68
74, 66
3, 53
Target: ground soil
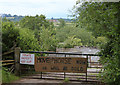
27, 81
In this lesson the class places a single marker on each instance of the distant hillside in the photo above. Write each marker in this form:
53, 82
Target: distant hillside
17, 18
57, 19
12, 17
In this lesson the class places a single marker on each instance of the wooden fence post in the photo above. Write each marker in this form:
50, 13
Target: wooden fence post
64, 72
87, 67
17, 61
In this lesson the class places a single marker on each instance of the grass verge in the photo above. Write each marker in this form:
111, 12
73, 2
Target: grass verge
7, 77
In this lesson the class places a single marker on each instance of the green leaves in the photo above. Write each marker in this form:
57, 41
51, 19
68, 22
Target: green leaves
7, 77
25, 34
86, 37
102, 20
9, 35
62, 23
47, 39
96, 17
27, 40
72, 41
34, 22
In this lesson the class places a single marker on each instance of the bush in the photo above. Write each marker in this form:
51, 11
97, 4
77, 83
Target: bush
8, 77
66, 80
71, 42
26, 40
9, 35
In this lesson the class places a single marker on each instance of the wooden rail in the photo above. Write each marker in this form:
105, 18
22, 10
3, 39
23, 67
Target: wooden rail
6, 53
7, 62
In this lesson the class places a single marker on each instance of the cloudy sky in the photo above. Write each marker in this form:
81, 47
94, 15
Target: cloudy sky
50, 8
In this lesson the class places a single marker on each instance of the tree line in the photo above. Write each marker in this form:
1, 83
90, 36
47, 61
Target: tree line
37, 33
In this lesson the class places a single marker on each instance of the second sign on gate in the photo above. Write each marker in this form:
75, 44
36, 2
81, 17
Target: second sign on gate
61, 64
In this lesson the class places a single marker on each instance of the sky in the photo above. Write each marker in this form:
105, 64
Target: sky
49, 8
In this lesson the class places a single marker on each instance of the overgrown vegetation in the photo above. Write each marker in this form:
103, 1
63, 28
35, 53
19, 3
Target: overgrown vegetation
8, 77
37, 33
31, 33
70, 36
66, 80
102, 20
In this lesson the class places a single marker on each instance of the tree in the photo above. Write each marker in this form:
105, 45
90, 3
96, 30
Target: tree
9, 36
35, 22
84, 35
101, 41
70, 42
14, 36
43, 30
102, 19
47, 39
27, 41
62, 23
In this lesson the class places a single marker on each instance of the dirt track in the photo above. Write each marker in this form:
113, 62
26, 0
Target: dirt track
24, 81
30, 80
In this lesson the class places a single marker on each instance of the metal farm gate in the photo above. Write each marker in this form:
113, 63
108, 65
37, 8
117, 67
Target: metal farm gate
90, 70
28, 71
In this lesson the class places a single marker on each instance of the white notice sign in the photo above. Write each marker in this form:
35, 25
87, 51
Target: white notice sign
27, 58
